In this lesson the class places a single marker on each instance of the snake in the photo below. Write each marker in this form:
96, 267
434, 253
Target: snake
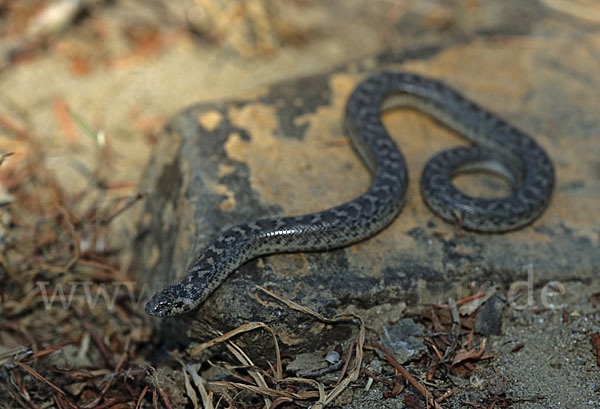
496, 147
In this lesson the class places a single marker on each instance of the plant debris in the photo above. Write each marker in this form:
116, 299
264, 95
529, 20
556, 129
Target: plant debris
595, 337
69, 330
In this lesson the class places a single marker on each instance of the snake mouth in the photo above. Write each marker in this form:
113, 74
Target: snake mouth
156, 308
165, 304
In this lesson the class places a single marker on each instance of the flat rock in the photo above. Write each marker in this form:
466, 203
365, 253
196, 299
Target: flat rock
405, 339
282, 151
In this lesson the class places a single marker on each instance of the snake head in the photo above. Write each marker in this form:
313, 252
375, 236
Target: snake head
169, 301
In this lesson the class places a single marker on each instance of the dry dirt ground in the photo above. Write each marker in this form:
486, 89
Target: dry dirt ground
84, 93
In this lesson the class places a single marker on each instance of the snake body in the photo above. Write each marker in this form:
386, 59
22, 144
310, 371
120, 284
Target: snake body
498, 147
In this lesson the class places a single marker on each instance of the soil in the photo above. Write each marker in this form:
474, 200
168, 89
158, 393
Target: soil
97, 92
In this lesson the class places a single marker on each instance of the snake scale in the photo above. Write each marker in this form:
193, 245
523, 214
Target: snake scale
497, 147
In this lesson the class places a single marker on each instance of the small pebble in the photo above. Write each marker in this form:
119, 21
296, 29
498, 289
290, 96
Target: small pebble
332, 357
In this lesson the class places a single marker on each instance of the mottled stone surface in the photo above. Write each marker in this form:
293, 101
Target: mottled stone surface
281, 151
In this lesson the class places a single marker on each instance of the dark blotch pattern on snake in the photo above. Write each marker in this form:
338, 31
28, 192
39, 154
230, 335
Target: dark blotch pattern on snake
498, 147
